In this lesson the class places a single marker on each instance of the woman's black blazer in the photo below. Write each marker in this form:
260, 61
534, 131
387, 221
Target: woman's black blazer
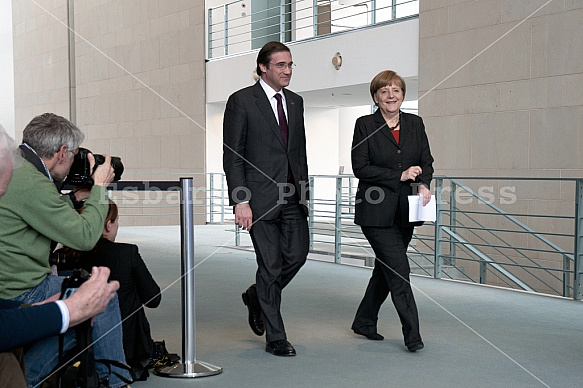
137, 287
378, 161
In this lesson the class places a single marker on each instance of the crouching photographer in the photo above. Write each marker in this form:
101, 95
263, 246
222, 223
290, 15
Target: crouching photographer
33, 213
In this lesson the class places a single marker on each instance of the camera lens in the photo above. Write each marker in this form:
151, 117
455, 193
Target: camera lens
117, 167
99, 159
80, 172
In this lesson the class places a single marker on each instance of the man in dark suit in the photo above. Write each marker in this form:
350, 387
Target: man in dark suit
267, 175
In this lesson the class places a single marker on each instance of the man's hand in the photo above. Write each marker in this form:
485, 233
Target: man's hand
104, 173
411, 173
243, 215
92, 297
425, 193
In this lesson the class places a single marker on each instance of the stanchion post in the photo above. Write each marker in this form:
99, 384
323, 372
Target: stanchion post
438, 259
190, 366
578, 251
338, 222
312, 204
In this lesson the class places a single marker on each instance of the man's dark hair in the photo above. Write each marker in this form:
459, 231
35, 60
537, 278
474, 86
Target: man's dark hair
264, 56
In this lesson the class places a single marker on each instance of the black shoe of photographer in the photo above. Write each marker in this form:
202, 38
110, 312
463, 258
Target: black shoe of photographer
255, 320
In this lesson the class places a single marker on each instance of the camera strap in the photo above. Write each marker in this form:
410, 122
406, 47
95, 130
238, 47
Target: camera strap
76, 204
32, 157
77, 368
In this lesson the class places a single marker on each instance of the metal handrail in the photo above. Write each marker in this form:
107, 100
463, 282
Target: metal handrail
498, 248
454, 238
291, 16
484, 257
331, 227
514, 220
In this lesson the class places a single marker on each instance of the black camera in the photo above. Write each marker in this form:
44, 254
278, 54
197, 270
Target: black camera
80, 172
66, 259
72, 283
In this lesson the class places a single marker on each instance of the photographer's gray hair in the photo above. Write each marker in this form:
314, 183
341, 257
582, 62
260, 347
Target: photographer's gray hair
46, 134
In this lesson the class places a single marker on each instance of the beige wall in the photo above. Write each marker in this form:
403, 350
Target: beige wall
139, 83
41, 75
500, 93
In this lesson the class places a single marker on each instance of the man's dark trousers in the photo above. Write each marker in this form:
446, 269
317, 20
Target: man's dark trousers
281, 246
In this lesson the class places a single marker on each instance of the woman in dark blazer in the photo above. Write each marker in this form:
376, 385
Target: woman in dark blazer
137, 288
390, 152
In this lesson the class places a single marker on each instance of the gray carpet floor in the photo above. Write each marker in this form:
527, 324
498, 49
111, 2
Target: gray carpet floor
474, 336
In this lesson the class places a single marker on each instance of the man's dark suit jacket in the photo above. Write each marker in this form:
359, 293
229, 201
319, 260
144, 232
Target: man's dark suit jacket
255, 159
378, 161
137, 287
22, 326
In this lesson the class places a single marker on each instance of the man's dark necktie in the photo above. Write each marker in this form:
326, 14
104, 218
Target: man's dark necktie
282, 119
284, 131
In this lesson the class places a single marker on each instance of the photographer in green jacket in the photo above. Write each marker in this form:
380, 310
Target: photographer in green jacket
33, 213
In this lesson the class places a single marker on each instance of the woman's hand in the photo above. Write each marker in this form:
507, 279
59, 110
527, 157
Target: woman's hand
411, 173
425, 193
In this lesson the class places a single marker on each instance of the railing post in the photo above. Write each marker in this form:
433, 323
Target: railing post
452, 221
226, 29
566, 276
338, 222
311, 213
315, 16
483, 272
437, 260
351, 197
373, 14
222, 199
394, 10
237, 235
282, 20
211, 198
210, 33
578, 251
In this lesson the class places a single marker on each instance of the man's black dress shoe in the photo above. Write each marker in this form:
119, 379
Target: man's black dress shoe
370, 336
255, 320
280, 348
415, 346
